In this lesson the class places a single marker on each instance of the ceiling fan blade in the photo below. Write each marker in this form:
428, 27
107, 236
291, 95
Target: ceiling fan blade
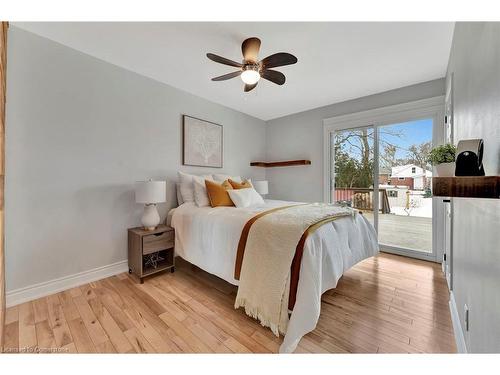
273, 76
250, 48
227, 76
223, 60
278, 59
250, 87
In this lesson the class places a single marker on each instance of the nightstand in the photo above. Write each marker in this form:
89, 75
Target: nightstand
150, 252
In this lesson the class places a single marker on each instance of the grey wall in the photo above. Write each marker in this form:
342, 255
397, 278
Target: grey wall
79, 133
300, 136
475, 64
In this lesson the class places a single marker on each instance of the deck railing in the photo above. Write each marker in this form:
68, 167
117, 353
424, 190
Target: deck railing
362, 198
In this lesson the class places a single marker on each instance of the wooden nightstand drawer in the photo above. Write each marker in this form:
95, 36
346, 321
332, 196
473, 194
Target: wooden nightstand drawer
156, 242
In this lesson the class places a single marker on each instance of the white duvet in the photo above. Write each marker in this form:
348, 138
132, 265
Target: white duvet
208, 238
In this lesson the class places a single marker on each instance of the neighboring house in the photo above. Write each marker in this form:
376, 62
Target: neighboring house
384, 176
412, 176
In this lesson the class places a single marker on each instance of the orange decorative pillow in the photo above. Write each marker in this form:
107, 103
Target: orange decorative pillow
243, 185
217, 193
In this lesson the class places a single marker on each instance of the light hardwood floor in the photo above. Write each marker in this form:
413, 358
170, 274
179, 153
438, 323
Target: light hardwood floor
386, 304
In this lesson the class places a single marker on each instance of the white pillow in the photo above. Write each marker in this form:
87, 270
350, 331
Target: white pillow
200, 191
178, 193
223, 177
187, 187
245, 197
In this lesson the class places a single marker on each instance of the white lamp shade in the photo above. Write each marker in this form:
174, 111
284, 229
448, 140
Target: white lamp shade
262, 187
150, 191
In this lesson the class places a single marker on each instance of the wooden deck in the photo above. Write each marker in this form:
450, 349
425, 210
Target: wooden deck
386, 304
409, 232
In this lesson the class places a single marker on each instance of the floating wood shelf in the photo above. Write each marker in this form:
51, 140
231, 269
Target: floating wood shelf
467, 187
287, 163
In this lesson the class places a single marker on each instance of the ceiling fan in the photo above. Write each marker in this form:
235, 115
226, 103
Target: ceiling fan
251, 70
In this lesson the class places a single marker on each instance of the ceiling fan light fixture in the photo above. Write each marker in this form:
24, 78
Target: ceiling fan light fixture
251, 69
250, 75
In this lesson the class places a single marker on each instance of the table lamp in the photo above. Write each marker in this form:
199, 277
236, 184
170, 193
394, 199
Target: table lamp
150, 193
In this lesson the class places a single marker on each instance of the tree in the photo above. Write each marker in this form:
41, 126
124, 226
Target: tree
354, 158
346, 169
418, 155
388, 157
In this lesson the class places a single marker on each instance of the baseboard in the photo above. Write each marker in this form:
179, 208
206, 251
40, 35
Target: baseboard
29, 293
457, 327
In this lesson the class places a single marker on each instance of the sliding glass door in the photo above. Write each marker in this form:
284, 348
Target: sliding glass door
404, 179
381, 169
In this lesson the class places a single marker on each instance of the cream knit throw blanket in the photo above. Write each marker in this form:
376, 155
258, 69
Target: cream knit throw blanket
265, 272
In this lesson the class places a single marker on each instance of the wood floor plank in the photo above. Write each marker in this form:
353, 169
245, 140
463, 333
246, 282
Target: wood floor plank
369, 324
94, 328
214, 342
40, 310
181, 330
199, 325
11, 337
235, 346
385, 304
368, 313
81, 338
106, 347
68, 306
106, 297
138, 341
311, 347
160, 343
27, 330
155, 307
271, 345
217, 304
88, 290
329, 346
168, 301
45, 336
57, 321
148, 323
74, 292
115, 334
230, 327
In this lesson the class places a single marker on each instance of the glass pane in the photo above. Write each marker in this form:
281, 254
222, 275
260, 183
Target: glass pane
405, 215
352, 177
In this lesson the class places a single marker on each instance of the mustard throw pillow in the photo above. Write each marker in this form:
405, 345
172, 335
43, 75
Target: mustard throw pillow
217, 193
243, 185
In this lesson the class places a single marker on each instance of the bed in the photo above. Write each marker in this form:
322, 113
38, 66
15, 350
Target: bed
208, 238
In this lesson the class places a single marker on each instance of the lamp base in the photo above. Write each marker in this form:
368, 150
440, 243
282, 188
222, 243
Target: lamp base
150, 218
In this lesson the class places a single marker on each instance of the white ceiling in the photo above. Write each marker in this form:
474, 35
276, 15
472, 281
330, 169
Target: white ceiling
338, 61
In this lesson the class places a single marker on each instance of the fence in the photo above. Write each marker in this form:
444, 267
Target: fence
362, 198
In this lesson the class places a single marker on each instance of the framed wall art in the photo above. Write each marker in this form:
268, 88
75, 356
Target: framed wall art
202, 143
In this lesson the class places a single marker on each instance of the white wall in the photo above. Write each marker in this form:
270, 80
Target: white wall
300, 136
475, 64
79, 133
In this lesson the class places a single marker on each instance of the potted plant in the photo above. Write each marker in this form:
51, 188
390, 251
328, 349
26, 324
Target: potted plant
443, 159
